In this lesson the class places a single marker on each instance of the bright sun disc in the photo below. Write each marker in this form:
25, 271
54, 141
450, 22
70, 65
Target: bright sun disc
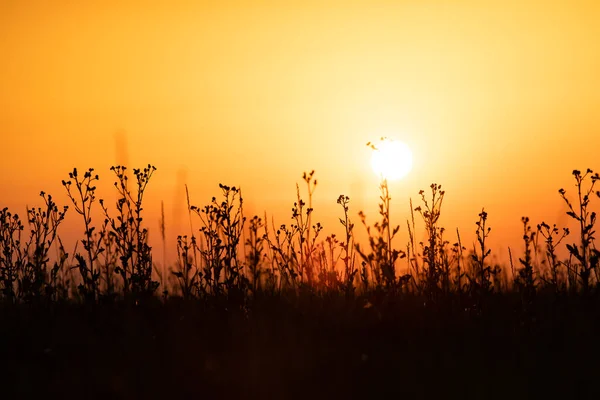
391, 160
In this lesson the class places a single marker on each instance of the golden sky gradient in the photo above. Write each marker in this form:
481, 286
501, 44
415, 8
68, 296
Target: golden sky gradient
498, 100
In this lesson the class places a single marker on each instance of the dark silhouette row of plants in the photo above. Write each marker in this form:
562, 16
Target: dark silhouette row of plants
227, 256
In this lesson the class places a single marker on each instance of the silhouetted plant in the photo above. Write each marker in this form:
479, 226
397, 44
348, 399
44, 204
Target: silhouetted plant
284, 257
233, 222
458, 249
12, 256
221, 232
130, 237
162, 272
552, 238
292, 249
58, 288
348, 247
434, 249
303, 218
109, 263
525, 279
36, 279
255, 245
447, 257
412, 252
381, 258
83, 198
117, 259
585, 253
481, 282
187, 274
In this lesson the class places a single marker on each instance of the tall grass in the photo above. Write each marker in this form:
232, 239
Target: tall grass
227, 255
253, 308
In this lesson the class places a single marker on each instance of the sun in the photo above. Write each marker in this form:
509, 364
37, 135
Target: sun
391, 159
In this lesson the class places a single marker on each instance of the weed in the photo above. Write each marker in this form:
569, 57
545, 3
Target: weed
83, 198
585, 253
434, 251
227, 258
525, 279
481, 281
381, 258
552, 238
348, 247
12, 256
130, 237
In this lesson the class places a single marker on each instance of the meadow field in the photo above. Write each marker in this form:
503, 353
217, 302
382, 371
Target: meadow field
253, 310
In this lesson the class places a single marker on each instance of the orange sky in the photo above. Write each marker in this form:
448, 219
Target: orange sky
498, 100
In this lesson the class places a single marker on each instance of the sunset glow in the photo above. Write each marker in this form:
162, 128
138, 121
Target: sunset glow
391, 159
313, 199
252, 94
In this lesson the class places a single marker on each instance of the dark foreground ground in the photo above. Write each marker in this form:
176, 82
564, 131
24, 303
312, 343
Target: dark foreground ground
303, 349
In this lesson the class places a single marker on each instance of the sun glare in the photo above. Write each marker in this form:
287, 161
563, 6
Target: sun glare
391, 159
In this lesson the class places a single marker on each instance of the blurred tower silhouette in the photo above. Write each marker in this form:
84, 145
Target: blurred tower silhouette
180, 201
121, 149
